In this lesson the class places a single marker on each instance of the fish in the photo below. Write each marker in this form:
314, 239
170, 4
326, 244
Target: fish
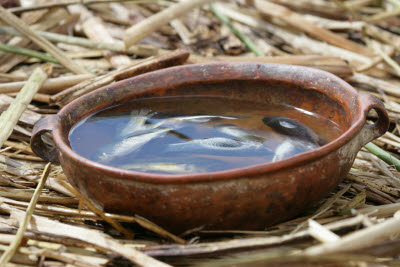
236, 161
137, 122
293, 128
290, 148
127, 145
201, 118
216, 145
239, 133
174, 168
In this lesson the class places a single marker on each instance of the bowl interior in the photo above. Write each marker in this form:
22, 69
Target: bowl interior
312, 90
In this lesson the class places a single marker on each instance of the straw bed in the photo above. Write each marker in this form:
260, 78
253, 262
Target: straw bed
44, 221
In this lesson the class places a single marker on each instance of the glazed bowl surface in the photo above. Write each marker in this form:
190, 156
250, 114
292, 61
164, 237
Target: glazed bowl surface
247, 198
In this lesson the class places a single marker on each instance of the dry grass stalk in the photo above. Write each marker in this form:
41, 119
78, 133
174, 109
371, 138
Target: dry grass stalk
383, 167
322, 7
96, 238
26, 171
331, 24
7, 77
46, 45
158, 230
27, 195
354, 202
21, 156
383, 15
370, 65
235, 30
371, 183
50, 21
321, 233
302, 43
386, 58
297, 21
111, 221
117, 46
149, 64
91, 214
64, 257
9, 118
359, 239
7, 255
52, 85
66, 3
322, 209
19, 146
387, 87
44, 98
371, 191
27, 117
139, 31
183, 31
331, 64
245, 243
93, 28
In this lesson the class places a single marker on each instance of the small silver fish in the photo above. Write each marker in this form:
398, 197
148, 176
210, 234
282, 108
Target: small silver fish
218, 144
137, 122
239, 133
290, 148
127, 145
174, 168
201, 118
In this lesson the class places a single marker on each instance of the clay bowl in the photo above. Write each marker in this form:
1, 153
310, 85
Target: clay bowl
245, 198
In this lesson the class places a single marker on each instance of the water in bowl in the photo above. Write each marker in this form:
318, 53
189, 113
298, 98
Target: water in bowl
185, 135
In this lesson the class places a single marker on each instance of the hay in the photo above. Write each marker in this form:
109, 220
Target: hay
357, 224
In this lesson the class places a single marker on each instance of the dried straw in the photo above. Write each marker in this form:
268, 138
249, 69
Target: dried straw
8, 254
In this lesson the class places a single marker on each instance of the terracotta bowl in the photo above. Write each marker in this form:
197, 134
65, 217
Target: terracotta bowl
246, 198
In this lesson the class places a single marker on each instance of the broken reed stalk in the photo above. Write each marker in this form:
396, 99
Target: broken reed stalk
383, 155
10, 117
27, 52
21, 9
383, 15
139, 31
101, 214
117, 46
149, 64
95, 238
158, 230
8, 254
359, 239
299, 22
224, 19
24, 28
386, 58
321, 233
331, 64
95, 29
51, 86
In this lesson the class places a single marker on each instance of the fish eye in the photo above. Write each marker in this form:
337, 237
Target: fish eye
287, 124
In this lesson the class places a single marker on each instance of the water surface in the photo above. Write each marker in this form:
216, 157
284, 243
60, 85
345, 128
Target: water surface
181, 135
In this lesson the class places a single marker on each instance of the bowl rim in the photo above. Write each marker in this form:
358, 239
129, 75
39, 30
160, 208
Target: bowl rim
249, 171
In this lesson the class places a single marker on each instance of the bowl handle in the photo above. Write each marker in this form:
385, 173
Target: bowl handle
373, 131
43, 150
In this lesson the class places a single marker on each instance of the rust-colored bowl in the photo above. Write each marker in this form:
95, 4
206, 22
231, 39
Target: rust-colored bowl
245, 198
